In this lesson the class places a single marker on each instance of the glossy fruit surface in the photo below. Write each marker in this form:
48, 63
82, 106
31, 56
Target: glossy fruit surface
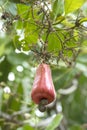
43, 88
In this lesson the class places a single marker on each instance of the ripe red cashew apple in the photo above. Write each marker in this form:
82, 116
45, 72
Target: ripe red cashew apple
43, 91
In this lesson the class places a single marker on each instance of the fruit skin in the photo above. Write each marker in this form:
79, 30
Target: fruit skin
43, 87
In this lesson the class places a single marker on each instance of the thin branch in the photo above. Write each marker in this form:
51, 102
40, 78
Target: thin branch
70, 89
20, 112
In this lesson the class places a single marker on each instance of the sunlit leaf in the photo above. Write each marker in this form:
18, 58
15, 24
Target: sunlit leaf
55, 123
23, 10
83, 20
72, 5
27, 127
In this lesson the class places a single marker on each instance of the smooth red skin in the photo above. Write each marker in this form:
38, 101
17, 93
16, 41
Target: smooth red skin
43, 87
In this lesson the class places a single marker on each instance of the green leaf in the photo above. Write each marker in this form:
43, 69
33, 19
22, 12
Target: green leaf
72, 5
83, 20
10, 7
82, 59
17, 43
75, 128
25, 127
18, 58
54, 43
23, 10
31, 33
55, 123
58, 8
2, 49
65, 75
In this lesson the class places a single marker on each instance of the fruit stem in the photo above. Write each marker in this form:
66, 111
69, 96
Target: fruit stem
42, 104
44, 101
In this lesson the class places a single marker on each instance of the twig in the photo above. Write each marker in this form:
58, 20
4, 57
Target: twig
69, 90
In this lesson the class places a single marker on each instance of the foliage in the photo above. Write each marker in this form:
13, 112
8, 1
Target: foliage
55, 122
35, 31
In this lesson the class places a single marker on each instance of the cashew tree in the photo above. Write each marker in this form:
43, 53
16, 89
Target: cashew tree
43, 64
